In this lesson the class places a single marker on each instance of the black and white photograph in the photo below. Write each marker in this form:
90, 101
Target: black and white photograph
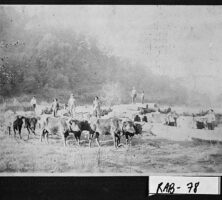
110, 90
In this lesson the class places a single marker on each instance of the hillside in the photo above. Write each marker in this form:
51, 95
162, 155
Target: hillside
39, 59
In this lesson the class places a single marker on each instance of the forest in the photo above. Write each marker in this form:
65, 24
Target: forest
48, 62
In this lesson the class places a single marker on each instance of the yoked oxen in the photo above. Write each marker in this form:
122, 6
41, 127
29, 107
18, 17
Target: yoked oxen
64, 127
23, 122
77, 127
112, 126
96, 128
106, 127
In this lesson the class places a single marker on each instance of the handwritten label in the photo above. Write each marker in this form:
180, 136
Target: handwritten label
184, 185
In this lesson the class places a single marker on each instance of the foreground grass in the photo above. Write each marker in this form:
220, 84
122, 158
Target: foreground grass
147, 155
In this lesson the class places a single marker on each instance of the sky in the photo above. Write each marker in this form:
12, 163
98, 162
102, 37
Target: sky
182, 42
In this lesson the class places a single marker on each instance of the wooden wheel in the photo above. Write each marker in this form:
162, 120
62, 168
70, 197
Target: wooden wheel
70, 140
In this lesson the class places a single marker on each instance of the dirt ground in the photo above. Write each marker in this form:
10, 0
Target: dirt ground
147, 155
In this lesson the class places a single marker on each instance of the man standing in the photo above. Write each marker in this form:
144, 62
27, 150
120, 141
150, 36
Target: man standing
133, 95
142, 97
96, 106
171, 119
72, 105
55, 107
33, 102
211, 119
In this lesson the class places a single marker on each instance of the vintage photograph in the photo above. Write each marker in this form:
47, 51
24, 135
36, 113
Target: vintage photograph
110, 90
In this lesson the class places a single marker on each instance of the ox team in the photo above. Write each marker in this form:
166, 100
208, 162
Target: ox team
97, 126
114, 126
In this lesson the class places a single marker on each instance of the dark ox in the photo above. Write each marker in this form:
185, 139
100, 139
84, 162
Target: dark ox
30, 124
26, 122
129, 129
77, 127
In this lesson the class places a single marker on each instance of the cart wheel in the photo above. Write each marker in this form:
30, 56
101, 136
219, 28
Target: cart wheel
70, 140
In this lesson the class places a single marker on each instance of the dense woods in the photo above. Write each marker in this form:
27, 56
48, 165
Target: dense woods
52, 62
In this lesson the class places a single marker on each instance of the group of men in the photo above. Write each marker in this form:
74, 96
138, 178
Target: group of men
71, 106
134, 95
171, 117
207, 121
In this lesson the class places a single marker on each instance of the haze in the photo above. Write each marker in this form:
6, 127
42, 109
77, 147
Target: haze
183, 42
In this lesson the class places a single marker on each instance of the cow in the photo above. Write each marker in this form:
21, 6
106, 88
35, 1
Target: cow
76, 127
106, 127
23, 122
17, 125
30, 124
129, 130
51, 124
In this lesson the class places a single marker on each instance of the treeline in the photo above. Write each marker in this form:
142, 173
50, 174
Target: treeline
50, 62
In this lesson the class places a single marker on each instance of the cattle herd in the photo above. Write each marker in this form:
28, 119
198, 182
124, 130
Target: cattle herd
64, 126
116, 126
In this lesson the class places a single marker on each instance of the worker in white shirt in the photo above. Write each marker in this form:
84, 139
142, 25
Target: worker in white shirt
72, 105
33, 102
210, 119
133, 95
96, 107
142, 97
55, 107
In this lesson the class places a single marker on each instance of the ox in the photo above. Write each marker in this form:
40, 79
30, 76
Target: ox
53, 125
106, 127
30, 124
27, 122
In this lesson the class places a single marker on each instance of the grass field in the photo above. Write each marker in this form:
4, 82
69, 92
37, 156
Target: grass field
147, 154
